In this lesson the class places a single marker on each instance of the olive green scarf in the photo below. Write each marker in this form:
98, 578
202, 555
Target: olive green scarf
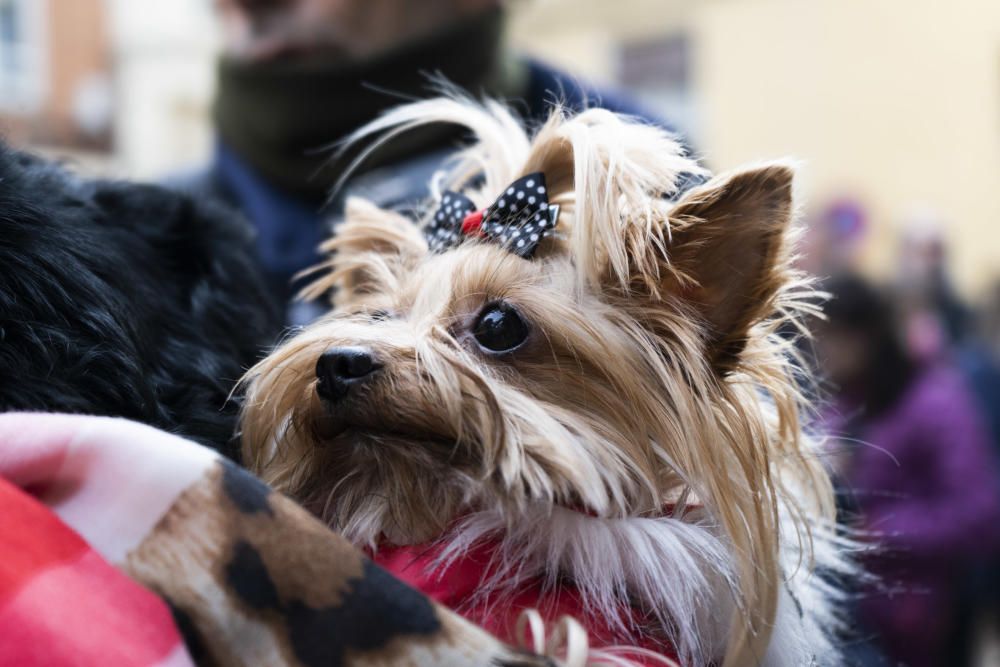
282, 118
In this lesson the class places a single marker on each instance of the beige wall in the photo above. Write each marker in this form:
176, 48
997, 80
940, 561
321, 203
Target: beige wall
896, 102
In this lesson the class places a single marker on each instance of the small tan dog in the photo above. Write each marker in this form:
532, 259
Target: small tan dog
570, 388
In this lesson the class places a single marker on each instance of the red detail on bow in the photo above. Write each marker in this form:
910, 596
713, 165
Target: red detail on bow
472, 223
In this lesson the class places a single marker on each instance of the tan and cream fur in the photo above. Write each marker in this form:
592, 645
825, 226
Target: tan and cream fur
646, 438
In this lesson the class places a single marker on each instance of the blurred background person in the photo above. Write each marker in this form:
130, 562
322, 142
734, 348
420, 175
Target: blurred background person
297, 76
989, 320
920, 468
934, 316
936, 320
938, 324
835, 235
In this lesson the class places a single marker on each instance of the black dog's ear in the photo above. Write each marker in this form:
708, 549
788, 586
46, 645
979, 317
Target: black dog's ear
728, 247
162, 215
370, 253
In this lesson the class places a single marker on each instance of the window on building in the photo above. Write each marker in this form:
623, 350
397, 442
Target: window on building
657, 72
22, 73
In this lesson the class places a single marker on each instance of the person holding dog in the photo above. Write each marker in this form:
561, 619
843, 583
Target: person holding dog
298, 76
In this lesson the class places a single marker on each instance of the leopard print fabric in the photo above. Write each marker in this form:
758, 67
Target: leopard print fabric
253, 579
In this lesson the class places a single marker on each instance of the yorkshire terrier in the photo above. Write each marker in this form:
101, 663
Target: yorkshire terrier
572, 390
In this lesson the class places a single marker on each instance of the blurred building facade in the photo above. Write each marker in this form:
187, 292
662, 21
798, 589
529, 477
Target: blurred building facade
55, 65
115, 87
893, 105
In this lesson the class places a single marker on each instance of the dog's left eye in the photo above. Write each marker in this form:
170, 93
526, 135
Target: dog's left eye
500, 328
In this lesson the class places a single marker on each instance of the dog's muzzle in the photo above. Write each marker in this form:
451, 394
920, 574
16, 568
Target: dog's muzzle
341, 369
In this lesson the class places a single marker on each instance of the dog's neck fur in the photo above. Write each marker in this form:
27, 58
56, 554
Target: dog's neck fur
677, 567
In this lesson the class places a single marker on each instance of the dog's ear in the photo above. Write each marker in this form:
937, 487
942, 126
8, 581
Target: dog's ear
728, 252
370, 252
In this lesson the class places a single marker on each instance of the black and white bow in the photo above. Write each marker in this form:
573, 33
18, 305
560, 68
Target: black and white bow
517, 220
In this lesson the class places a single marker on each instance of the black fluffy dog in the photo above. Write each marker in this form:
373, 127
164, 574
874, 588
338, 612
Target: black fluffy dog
124, 299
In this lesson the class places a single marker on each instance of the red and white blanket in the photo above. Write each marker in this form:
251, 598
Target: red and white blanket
124, 546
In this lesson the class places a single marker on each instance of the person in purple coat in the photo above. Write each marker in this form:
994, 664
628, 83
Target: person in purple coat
920, 469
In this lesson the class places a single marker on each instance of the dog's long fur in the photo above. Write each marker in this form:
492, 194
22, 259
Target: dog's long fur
126, 300
654, 391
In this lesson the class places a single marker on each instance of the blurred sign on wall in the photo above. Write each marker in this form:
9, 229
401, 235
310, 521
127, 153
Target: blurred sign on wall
657, 71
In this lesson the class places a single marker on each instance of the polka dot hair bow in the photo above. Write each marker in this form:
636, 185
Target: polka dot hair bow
519, 218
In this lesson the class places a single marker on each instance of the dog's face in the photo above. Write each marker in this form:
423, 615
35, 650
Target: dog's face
631, 367
470, 376
443, 382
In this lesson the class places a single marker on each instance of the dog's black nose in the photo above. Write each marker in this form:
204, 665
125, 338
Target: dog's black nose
340, 368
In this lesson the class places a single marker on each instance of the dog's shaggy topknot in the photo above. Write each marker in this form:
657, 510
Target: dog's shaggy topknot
126, 300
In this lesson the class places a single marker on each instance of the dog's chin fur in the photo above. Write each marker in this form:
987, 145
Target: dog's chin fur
645, 438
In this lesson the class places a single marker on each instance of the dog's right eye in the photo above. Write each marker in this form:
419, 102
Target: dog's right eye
500, 328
